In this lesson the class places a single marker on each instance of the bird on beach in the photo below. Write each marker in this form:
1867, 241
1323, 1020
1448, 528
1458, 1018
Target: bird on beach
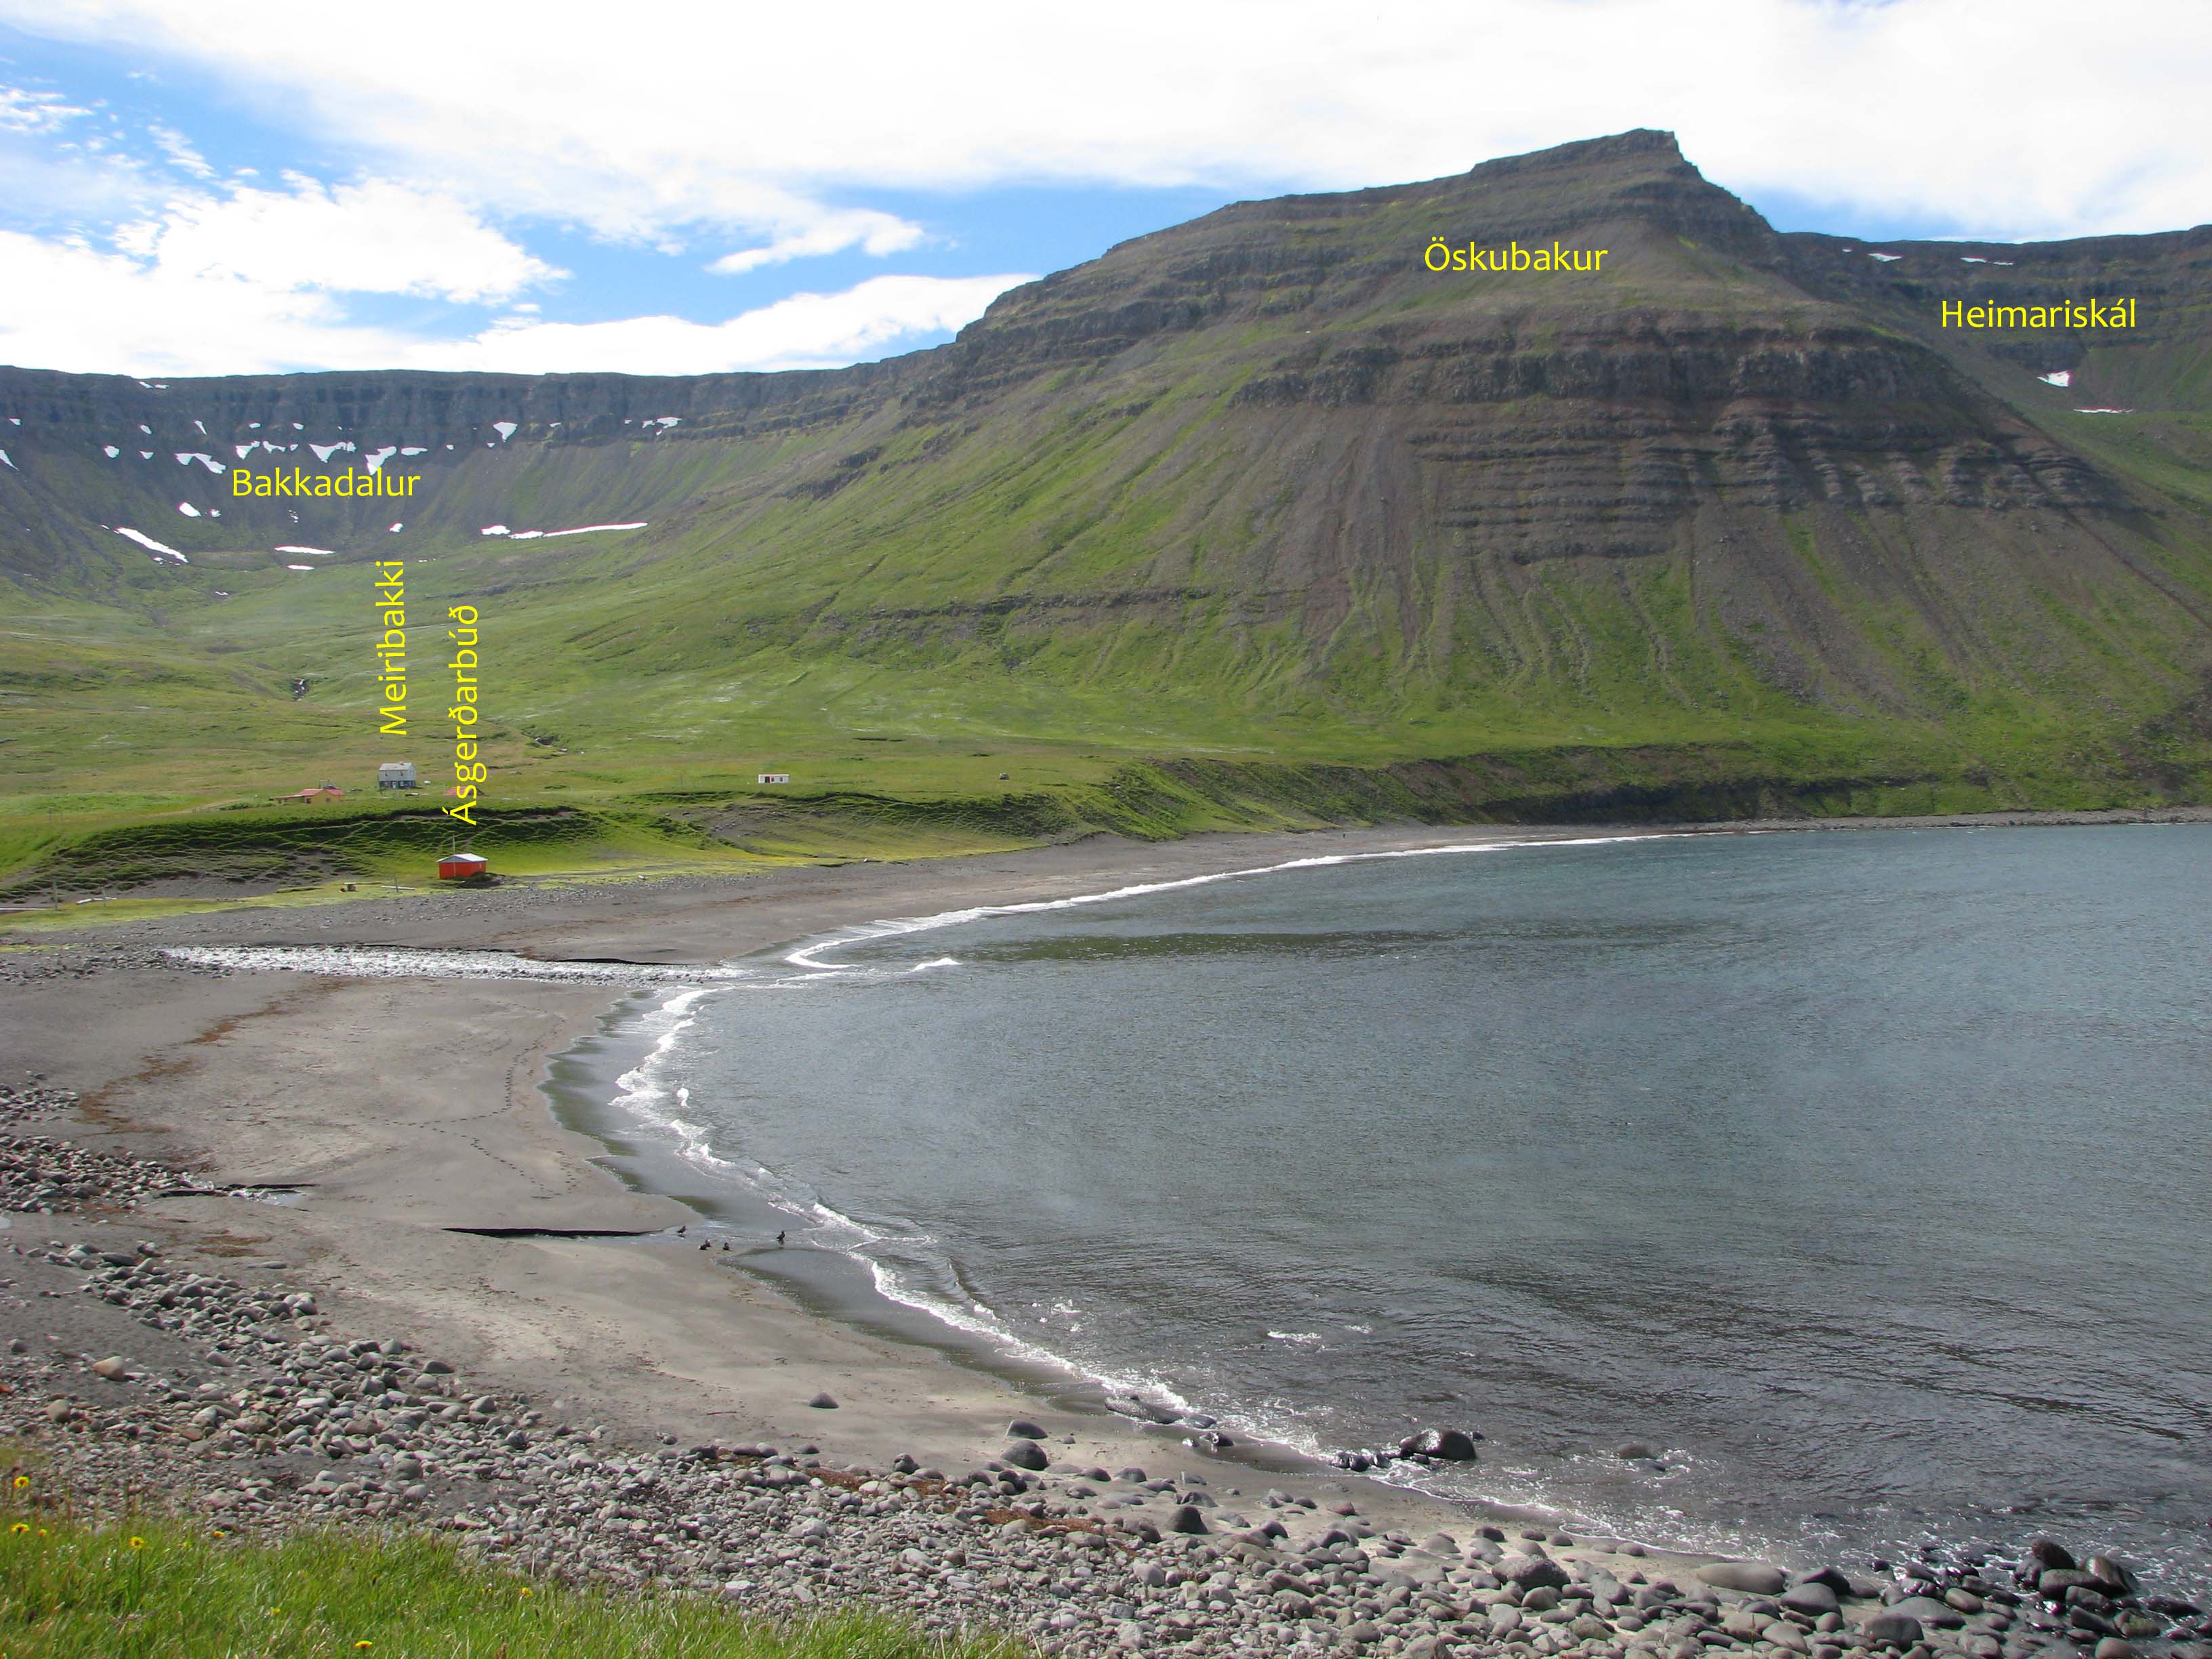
704, 1245
779, 1241
679, 1232
725, 1243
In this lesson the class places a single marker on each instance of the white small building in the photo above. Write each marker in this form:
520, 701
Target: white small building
396, 775
775, 777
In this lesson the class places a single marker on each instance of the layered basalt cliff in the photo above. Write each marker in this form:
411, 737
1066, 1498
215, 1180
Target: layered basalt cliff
1275, 458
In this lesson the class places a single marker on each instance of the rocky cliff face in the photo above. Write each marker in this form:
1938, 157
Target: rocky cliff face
1275, 447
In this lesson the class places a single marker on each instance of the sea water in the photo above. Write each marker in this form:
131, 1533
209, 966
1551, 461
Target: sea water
1864, 1178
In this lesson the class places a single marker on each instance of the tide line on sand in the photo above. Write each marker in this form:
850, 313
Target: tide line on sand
809, 955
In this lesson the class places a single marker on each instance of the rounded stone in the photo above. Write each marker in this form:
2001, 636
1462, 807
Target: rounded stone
1751, 1578
1026, 1455
1810, 1598
1893, 1629
1532, 1572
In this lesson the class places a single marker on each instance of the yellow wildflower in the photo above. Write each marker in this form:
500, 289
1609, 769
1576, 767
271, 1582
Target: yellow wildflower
137, 1543
21, 1481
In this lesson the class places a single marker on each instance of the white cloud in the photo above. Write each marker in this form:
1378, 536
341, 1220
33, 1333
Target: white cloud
804, 330
180, 151
73, 306
248, 281
697, 113
879, 234
23, 110
375, 237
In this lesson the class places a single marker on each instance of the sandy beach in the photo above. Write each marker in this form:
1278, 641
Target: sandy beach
409, 1171
402, 1109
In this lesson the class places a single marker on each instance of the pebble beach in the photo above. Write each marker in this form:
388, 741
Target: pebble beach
179, 1334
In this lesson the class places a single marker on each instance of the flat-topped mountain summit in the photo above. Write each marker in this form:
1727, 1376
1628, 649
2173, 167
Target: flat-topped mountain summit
1264, 486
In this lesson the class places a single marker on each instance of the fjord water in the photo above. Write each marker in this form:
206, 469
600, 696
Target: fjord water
1865, 1177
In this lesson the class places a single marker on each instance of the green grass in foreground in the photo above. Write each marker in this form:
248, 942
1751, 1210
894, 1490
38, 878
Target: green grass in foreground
159, 1589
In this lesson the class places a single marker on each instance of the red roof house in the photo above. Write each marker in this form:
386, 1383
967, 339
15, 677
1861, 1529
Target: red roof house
320, 792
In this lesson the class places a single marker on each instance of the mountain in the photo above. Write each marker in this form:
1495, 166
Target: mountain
1257, 518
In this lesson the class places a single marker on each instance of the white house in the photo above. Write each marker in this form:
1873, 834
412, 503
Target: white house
775, 777
396, 775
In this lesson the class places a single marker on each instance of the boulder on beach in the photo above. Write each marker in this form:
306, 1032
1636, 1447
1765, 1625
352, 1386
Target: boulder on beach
111, 1369
1532, 1572
1752, 1577
1811, 1598
1022, 1428
1026, 1455
1187, 1519
823, 1402
2048, 1554
1453, 1445
2112, 1577
1891, 1629
1931, 1612
1830, 1576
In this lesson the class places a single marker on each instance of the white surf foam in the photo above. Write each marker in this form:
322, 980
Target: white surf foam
365, 961
809, 955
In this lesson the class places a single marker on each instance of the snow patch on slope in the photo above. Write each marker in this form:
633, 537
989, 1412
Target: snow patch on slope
158, 549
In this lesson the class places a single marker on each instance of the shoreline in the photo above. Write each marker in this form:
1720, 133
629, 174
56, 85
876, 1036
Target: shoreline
373, 1228
267, 1077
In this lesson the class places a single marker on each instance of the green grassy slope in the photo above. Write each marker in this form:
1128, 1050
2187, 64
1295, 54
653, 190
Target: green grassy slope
151, 1588
1254, 521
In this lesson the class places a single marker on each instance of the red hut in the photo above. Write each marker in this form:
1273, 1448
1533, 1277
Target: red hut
459, 866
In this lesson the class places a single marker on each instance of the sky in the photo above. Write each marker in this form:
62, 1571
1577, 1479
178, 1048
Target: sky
703, 186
